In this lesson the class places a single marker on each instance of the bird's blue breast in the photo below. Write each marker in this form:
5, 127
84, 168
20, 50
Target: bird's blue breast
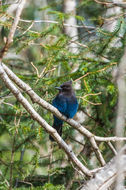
67, 105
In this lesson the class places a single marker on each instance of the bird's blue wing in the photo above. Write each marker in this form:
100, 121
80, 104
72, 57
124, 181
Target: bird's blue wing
66, 105
72, 106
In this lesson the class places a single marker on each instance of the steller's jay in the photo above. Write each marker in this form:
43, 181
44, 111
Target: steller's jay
66, 103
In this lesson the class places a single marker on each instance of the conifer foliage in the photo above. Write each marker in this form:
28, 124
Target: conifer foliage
40, 56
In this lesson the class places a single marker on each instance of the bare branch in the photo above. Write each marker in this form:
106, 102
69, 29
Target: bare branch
56, 22
107, 139
112, 148
28, 28
16, 20
97, 151
93, 72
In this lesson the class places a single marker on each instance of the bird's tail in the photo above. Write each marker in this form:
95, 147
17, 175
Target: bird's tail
59, 130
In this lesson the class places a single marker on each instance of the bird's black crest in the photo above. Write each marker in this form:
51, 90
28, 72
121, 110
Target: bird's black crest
68, 83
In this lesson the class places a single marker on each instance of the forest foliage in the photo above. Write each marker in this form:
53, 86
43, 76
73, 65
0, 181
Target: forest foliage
40, 56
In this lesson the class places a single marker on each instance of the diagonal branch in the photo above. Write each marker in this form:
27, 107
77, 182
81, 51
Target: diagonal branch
97, 151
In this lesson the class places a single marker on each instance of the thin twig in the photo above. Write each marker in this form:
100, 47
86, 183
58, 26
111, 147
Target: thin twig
93, 72
7, 183
97, 151
28, 28
56, 22
90, 94
112, 148
89, 101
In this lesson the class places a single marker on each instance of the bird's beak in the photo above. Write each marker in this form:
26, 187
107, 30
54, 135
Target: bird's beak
58, 88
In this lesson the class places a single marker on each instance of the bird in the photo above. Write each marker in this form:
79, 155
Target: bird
66, 102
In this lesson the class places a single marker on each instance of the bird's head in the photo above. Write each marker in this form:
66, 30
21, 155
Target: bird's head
65, 87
